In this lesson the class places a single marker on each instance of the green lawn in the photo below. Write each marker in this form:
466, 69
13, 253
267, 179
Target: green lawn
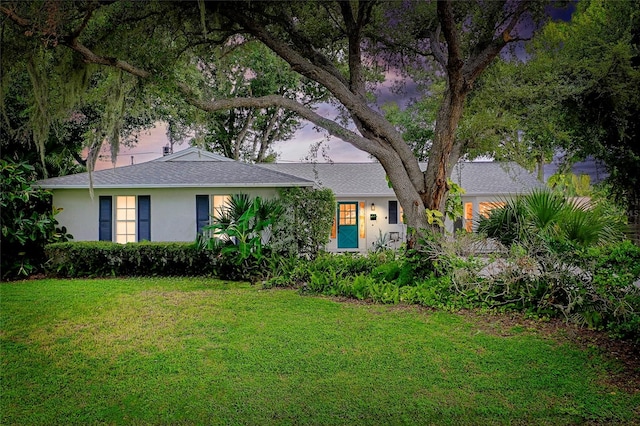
200, 351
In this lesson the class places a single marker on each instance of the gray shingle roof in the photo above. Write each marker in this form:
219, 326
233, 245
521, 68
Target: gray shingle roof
195, 168
179, 174
368, 179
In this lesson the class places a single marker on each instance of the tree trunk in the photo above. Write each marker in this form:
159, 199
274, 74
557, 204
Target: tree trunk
444, 153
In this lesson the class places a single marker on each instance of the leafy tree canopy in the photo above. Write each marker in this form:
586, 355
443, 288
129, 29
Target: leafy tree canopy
345, 48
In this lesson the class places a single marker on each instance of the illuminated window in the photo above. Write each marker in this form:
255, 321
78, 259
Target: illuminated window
362, 228
485, 207
334, 228
219, 204
347, 214
468, 217
125, 219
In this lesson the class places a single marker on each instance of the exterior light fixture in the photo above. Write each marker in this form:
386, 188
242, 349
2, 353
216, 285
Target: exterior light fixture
373, 207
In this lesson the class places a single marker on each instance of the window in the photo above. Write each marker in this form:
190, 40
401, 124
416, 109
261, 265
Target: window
485, 207
105, 211
347, 214
468, 217
125, 219
219, 204
393, 212
202, 212
132, 218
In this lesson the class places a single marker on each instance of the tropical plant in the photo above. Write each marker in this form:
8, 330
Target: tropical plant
550, 217
571, 184
239, 232
242, 226
27, 219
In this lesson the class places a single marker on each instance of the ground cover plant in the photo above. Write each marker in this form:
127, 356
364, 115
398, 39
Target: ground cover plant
203, 351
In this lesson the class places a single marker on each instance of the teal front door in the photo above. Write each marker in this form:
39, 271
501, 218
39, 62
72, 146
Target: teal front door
347, 225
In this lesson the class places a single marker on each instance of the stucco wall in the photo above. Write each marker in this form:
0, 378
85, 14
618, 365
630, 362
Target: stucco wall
173, 211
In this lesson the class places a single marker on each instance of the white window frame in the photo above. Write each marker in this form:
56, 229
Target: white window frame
126, 219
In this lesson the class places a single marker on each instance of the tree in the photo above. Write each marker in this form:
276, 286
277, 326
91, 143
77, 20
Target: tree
580, 92
339, 45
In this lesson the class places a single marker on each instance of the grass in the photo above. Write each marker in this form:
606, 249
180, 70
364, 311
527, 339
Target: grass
200, 351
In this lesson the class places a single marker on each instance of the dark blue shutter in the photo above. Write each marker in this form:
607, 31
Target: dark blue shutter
105, 226
144, 218
393, 212
202, 212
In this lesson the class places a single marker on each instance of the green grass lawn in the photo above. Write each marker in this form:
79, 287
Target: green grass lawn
200, 351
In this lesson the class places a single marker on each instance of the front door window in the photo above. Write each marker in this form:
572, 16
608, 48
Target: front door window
347, 225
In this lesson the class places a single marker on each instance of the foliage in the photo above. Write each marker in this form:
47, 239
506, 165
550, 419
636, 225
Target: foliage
247, 134
28, 220
239, 231
305, 225
57, 112
415, 122
615, 276
454, 208
552, 219
381, 243
592, 286
109, 259
571, 184
336, 51
434, 217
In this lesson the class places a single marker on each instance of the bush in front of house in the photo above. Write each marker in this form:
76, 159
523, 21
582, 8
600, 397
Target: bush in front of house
304, 227
28, 221
257, 238
107, 259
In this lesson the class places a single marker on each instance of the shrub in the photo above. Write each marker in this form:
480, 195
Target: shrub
28, 221
241, 233
552, 218
614, 269
305, 226
103, 259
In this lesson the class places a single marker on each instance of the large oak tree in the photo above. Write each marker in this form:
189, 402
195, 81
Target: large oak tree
342, 46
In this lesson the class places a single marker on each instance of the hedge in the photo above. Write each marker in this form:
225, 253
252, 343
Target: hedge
109, 259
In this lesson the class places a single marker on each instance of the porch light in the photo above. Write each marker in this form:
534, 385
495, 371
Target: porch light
373, 207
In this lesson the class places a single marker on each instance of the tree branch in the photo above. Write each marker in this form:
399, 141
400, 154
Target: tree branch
479, 62
436, 48
305, 63
92, 58
331, 126
450, 32
23, 22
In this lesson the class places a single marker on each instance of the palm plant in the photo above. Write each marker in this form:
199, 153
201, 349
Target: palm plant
550, 217
242, 227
